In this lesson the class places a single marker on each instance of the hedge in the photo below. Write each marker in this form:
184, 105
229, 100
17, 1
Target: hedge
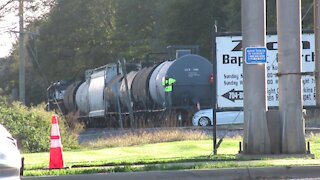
31, 126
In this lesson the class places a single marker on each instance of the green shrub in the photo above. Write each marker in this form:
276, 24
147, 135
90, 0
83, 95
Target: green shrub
32, 126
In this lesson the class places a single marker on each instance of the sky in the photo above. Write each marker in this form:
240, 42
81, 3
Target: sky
10, 22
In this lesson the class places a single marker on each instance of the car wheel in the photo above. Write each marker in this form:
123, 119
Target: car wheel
203, 121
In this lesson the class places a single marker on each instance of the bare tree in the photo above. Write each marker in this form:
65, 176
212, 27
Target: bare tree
9, 20
5, 7
33, 8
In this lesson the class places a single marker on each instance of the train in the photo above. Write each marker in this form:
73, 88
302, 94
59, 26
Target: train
128, 95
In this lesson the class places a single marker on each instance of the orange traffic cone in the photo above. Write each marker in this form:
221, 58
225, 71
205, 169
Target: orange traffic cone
56, 159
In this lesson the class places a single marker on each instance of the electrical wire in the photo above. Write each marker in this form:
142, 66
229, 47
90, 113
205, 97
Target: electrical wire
305, 14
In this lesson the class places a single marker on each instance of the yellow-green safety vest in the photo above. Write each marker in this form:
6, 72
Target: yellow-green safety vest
167, 83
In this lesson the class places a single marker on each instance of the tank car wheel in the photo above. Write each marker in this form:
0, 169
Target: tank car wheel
203, 121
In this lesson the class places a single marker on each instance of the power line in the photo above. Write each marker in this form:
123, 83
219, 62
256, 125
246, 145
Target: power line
305, 14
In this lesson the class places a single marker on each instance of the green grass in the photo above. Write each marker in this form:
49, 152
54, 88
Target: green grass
141, 168
125, 159
185, 154
147, 153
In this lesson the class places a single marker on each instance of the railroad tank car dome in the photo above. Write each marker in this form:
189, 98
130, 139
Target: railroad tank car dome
182, 52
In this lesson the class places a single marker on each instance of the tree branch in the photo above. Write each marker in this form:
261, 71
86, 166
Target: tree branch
4, 6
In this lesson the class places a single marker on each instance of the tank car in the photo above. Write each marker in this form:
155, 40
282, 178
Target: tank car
89, 96
108, 94
192, 86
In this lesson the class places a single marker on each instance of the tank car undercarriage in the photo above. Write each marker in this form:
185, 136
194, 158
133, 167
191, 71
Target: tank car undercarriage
142, 119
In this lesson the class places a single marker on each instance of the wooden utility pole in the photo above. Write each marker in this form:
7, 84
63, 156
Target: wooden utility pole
21, 56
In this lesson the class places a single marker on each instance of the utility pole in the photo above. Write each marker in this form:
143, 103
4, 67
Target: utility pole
289, 72
214, 88
256, 136
21, 56
317, 51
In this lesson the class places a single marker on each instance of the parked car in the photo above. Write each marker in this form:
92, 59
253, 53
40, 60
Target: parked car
205, 117
10, 157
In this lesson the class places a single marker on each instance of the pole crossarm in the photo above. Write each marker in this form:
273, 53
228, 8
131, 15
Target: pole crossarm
296, 73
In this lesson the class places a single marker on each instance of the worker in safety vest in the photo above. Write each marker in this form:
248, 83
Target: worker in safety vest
167, 83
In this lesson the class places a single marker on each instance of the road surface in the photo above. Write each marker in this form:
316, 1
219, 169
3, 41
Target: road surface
302, 172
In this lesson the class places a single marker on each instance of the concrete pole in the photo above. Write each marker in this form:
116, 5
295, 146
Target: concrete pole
256, 137
21, 55
290, 92
317, 50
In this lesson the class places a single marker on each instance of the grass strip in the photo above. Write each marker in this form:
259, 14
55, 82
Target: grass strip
191, 154
170, 166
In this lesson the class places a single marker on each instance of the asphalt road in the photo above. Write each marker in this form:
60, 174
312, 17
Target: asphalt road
302, 172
